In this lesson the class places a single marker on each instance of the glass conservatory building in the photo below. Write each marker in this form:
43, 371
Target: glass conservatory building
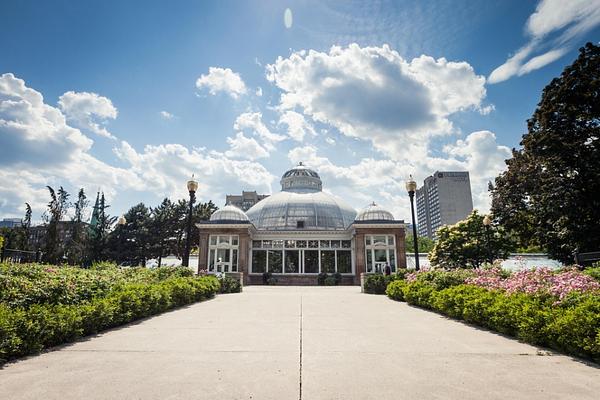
300, 232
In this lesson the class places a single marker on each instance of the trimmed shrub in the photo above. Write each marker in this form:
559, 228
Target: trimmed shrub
321, 278
395, 290
377, 283
230, 285
571, 326
29, 330
593, 271
324, 279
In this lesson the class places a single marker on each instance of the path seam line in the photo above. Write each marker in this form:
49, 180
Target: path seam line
300, 383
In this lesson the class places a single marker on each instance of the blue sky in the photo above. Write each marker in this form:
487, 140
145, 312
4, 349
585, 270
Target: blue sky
133, 97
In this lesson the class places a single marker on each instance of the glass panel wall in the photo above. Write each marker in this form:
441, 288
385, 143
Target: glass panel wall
275, 261
311, 262
292, 261
259, 261
328, 261
344, 262
290, 256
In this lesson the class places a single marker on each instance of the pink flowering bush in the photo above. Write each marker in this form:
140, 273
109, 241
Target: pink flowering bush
538, 281
556, 309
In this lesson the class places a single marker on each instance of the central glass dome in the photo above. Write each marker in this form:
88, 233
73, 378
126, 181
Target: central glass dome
301, 204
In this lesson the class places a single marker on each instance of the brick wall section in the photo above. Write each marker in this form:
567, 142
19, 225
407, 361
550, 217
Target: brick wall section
244, 246
360, 260
203, 250
244, 250
297, 280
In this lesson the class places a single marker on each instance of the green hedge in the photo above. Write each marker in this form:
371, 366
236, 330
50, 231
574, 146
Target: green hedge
573, 326
377, 283
230, 285
29, 330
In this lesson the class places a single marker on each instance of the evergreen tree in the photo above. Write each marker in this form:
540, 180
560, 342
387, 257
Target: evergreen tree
100, 226
548, 196
76, 248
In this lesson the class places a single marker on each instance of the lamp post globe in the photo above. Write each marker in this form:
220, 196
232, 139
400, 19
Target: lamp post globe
411, 188
192, 186
121, 222
487, 222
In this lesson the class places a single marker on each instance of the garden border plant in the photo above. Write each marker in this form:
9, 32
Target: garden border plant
30, 327
570, 323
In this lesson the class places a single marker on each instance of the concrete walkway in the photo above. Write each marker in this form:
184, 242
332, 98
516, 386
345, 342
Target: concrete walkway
299, 342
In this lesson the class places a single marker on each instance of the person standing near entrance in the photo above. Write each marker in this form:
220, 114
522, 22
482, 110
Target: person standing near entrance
387, 270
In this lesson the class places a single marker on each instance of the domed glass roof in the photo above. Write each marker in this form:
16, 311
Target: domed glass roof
229, 213
373, 212
301, 205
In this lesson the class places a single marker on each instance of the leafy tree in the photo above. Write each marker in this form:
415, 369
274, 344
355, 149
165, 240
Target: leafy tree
132, 242
25, 226
425, 244
163, 229
57, 209
548, 196
201, 212
469, 243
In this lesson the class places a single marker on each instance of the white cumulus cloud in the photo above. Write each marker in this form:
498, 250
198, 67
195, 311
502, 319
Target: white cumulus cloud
88, 111
245, 148
374, 94
222, 80
252, 122
571, 19
166, 115
297, 125
38, 147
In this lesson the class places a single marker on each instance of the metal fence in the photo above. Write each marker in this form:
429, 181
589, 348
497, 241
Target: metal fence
20, 256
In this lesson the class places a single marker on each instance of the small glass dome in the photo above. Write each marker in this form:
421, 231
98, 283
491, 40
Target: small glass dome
229, 213
374, 213
301, 179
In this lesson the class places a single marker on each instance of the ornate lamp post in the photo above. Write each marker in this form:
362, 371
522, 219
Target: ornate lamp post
192, 186
487, 222
121, 222
411, 188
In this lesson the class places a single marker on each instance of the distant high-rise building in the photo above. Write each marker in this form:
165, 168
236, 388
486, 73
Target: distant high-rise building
10, 223
245, 200
444, 199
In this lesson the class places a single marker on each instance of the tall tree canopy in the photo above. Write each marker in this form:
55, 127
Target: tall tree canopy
549, 195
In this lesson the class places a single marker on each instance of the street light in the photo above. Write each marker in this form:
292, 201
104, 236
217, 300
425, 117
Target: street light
121, 222
192, 186
487, 222
411, 188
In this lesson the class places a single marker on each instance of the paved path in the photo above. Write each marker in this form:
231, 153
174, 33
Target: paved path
299, 342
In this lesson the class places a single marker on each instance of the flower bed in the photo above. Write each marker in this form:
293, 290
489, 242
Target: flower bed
560, 310
44, 306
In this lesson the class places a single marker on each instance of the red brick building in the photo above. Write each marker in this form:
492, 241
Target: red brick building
299, 232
